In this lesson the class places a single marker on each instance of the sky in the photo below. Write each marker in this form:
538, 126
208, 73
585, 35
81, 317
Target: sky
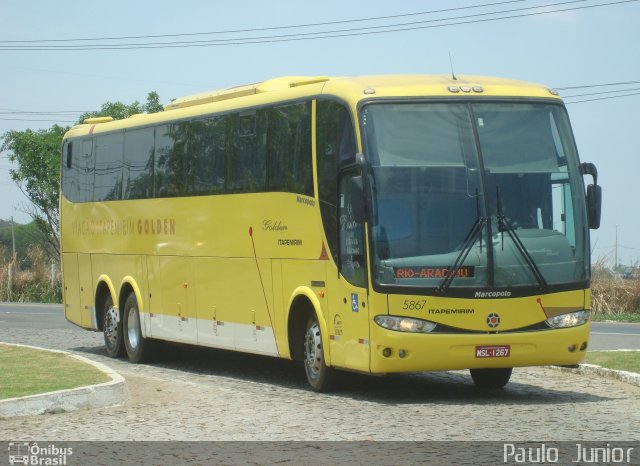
582, 45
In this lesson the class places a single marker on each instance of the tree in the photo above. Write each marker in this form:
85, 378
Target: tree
120, 111
36, 155
25, 236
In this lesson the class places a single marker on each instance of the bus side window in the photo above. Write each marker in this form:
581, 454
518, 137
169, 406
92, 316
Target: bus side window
138, 167
85, 163
69, 153
208, 141
167, 158
246, 167
70, 180
108, 167
289, 148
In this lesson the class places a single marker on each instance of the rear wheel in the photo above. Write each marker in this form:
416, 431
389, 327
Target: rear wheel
319, 376
138, 348
491, 378
112, 329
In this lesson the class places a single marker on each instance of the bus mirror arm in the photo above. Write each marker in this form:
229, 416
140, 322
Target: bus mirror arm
587, 168
594, 196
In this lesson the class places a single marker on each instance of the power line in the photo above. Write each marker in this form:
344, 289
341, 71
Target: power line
272, 28
29, 119
596, 85
629, 247
603, 98
600, 93
467, 19
61, 112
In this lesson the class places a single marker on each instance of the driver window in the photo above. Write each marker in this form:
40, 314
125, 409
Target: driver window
352, 247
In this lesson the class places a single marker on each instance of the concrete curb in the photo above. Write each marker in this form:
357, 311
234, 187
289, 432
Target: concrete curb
91, 396
632, 378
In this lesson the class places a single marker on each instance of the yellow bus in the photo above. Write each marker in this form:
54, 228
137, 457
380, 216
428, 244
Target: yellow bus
374, 224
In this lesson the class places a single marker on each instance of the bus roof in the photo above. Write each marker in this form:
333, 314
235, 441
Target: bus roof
350, 89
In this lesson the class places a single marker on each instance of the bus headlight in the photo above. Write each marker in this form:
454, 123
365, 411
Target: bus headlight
572, 319
404, 324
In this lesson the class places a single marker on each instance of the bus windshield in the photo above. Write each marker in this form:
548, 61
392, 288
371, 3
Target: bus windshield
481, 195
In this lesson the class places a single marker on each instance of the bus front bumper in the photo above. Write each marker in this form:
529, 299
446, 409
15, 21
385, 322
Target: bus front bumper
393, 351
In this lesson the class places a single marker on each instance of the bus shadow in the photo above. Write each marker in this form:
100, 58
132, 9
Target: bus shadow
433, 387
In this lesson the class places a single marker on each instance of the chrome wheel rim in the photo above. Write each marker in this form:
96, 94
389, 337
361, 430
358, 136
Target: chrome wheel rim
111, 326
133, 327
313, 351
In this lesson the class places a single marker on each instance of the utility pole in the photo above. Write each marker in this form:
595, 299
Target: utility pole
615, 265
12, 265
13, 238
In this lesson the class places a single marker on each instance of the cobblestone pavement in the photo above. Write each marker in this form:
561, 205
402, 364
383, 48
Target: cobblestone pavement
201, 394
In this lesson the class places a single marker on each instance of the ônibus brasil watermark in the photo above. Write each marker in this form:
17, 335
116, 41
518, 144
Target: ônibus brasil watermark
41, 455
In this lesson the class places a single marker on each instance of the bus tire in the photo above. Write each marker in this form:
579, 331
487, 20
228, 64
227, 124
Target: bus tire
491, 378
319, 375
112, 329
138, 348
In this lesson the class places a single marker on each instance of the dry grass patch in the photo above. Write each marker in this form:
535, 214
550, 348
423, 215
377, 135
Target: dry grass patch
615, 297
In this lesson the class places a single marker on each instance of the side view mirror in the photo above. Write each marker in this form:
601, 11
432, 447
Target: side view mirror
594, 195
594, 205
356, 191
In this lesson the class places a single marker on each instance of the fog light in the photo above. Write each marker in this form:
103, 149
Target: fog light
572, 348
386, 352
402, 353
583, 346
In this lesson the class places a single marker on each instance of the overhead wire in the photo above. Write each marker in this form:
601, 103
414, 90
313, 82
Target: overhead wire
37, 119
383, 29
609, 94
603, 98
619, 93
624, 83
60, 112
271, 28
600, 93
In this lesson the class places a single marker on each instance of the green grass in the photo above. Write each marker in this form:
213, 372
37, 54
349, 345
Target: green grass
622, 317
619, 360
26, 371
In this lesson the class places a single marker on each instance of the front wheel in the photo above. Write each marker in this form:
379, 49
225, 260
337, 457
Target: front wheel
491, 378
319, 376
139, 349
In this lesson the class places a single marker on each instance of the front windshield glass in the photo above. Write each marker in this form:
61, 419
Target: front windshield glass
474, 195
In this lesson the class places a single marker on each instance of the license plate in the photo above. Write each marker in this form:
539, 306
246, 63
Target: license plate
493, 351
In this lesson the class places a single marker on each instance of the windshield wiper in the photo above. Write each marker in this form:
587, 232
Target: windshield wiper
504, 225
467, 245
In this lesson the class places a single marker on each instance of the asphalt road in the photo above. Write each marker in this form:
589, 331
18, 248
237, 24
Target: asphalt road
604, 335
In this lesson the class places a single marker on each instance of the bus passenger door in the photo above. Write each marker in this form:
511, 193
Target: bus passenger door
349, 321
